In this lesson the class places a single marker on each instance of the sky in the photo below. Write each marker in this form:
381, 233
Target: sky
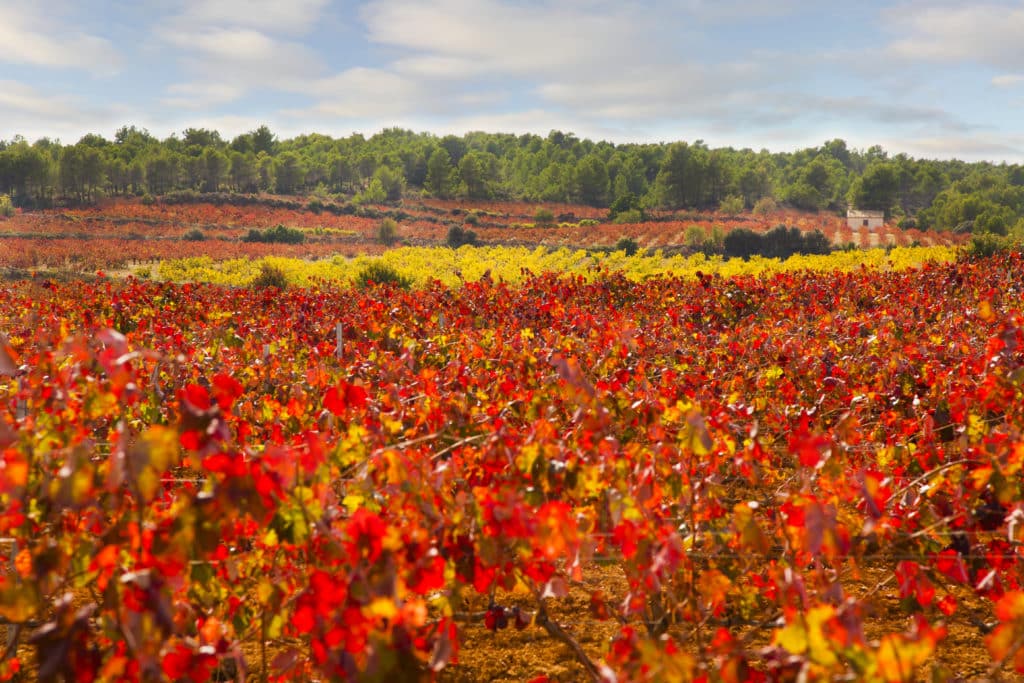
930, 78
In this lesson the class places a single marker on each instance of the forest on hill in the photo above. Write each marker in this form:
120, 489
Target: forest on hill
626, 178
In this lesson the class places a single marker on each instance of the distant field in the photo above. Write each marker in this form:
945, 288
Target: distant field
116, 234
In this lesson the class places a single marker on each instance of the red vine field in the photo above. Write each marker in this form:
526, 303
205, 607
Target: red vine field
790, 477
119, 233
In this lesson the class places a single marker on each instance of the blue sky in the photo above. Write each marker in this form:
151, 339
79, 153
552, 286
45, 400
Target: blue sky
930, 78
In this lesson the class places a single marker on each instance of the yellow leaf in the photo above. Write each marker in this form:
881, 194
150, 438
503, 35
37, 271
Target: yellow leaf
985, 310
264, 591
147, 483
792, 637
383, 608
18, 601
276, 627
162, 443
821, 649
353, 502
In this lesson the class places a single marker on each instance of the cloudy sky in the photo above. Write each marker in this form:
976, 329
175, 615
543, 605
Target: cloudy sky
928, 77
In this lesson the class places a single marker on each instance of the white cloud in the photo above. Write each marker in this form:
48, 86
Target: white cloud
585, 65
1008, 80
230, 48
29, 111
362, 92
201, 95
274, 16
26, 100
465, 38
242, 57
721, 10
975, 147
30, 36
984, 33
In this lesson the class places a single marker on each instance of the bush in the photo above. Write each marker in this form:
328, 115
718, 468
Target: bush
628, 245
270, 276
315, 205
588, 222
695, 237
627, 202
544, 217
459, 236
629, 216
6, 208
743, 243
989, 244
816, 243
387, 232
765, 206
731, 205
716, 239
194, 235
780, 242
278, 234
373, 194
382, 274
472, 218
147, 200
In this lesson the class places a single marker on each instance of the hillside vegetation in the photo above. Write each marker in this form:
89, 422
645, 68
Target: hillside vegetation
626, 179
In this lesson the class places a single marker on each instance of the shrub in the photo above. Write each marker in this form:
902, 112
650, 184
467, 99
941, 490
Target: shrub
731, 205
988, 244
743, 243
544, 217
765, 206
628, 245
387, 232
382, 274
695, 237
373, 194
715, 240
816, 243
147, 199
627, 202
458, 236
278, 234
472, 218
780, 242
270, 276
194, 235
588, 222
315, 205
6, 208
629, 216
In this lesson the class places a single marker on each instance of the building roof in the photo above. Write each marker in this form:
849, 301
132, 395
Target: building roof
857, 213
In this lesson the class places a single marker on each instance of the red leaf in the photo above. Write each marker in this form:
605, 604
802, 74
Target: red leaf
334, 401
226, 389
197, 397
355, 395
304, 619
177, 662
947, 605
343, 396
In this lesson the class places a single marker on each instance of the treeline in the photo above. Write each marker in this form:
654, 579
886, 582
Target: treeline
556, 168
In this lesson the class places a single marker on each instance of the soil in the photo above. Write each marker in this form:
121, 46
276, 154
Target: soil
520, 655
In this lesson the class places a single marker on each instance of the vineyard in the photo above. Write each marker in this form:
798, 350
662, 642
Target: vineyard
122, 234
801, 474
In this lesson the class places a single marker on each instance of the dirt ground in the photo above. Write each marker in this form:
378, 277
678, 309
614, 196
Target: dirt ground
520, 655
